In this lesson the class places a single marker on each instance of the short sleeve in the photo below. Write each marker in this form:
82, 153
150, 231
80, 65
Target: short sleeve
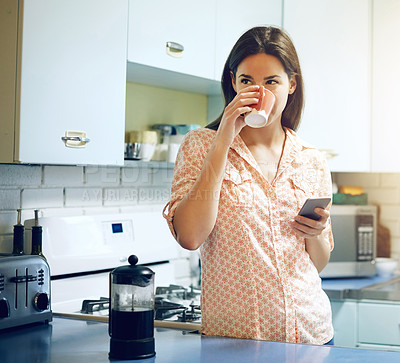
188, 165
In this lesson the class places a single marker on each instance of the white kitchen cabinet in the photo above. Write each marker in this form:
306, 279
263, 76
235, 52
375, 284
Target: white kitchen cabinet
71, 76
372, 324
333, 43
385, 81
155, 24
233, 19
378, 324
344, 319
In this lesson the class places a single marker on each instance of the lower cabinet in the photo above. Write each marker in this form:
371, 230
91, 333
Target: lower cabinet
344, 316
366, 324
379, 325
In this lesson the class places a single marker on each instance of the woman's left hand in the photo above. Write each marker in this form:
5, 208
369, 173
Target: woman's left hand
316, 236
308, 228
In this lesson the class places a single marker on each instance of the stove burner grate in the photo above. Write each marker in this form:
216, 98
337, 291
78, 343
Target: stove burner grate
189, 315
91, 306
169, 301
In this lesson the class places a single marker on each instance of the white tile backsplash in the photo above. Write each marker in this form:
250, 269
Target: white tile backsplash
81, 197
102, 176
62, 175
6, 243
390, 180
394, 226
395, 247
389, 212
42, 198
94, 189
120, 196
163, 176
382, 195
10, 199
135, 176
357, 179
7, 220
153, 195
26, 175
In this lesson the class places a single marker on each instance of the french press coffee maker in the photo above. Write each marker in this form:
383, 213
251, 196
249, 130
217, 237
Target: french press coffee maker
131, 312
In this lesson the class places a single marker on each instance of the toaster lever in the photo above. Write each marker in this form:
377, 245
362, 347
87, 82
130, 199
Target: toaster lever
25, 278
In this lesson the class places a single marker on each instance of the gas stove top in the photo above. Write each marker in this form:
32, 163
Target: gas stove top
177, 303
173, 303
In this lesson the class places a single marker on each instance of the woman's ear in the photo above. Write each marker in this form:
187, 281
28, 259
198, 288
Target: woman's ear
233, 81
292, 84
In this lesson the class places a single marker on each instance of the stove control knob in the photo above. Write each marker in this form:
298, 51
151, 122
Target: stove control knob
4, 308
41, 301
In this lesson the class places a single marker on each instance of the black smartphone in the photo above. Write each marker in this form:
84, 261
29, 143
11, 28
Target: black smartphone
307, 210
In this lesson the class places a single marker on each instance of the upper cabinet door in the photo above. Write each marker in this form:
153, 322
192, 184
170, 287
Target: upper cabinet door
385, 86
235, 17
176, 35
333, 43
72, 77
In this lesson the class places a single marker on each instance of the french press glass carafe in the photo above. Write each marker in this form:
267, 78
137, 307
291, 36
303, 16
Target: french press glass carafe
131, 316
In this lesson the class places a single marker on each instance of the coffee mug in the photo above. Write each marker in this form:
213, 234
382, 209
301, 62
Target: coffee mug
258, 117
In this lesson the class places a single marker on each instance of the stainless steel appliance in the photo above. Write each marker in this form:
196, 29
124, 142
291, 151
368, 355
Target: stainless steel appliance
354, 230
24, 290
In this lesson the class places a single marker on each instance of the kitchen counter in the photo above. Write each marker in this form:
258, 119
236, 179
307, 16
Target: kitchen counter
373, 287
78, 341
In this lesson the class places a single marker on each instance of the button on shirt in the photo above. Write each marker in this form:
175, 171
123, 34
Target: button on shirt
258, 281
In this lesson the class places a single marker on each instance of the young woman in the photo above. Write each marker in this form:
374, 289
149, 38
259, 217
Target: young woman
236, 194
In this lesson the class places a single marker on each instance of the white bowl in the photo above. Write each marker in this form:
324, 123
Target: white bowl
385, 266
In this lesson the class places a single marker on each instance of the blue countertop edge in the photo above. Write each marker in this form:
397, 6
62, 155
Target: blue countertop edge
78, 341
354, 283
362, 288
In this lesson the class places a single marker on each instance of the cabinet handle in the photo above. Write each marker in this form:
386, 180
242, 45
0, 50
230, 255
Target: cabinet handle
174, 49
75, 139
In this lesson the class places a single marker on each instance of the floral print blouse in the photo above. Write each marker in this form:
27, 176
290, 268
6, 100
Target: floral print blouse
258, 281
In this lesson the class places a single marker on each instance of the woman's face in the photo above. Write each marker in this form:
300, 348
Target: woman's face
265, 70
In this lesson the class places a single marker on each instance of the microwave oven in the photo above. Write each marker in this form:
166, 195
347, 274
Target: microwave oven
354, 229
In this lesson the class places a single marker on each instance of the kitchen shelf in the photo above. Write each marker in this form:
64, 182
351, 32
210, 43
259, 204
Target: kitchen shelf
151, 76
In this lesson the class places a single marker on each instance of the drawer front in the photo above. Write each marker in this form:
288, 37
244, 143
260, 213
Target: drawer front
379, 323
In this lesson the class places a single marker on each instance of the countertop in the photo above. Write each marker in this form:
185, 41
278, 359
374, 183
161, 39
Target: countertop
373, 287
78, 341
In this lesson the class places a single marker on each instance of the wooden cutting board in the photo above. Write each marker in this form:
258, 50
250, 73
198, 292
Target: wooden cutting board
157, 323
383, 242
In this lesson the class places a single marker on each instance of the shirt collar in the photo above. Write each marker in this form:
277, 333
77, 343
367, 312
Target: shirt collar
293, 146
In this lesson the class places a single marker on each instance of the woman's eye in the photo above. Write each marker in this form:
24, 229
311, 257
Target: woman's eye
271, 81
245, 81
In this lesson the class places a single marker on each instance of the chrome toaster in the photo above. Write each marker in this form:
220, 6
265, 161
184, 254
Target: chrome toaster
24, 290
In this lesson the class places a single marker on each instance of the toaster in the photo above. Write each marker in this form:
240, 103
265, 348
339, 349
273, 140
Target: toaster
24, 290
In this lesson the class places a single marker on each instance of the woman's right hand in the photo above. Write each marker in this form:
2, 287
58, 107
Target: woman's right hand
232, 121
196, 214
